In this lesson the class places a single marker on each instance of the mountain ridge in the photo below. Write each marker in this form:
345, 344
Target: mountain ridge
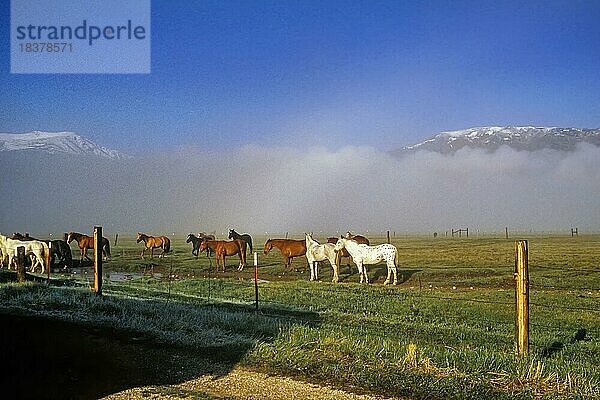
491, 138
55, 143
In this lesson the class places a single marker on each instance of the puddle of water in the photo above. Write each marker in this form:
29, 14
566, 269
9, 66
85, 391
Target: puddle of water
122, 276
112, 276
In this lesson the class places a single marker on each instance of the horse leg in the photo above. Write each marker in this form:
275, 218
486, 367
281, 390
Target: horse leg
33, 262
241, 266
389, 275
151, 252
336, 270
349, 265
219, 257
392, 266
360, 272
143, 250
42, 261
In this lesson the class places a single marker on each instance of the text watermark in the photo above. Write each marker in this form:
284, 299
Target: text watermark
65, 36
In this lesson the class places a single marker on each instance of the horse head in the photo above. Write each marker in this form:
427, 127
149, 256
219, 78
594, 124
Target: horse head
268, 246
190, 238
70, 237
232, 233
308, 238
140, 237
340, 244
203, 245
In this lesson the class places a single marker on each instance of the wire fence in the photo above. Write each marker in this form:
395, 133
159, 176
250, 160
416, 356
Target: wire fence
465, 302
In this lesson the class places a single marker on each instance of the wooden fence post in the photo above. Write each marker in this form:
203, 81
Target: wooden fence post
506, 230
98, 260
48, 260
256, 280
20, 264
522, 296
388, 236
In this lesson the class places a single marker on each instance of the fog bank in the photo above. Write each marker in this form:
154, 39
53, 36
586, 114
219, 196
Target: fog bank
275, 190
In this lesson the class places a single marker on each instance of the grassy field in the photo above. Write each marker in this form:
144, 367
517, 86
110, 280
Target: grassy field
447, 331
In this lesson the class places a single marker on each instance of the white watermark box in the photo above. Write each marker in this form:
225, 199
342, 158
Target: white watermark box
83, 37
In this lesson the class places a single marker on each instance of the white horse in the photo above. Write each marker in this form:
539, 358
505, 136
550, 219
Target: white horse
363, 254
33, 248
316, 252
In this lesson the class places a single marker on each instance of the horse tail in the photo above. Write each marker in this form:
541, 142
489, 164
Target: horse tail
167, 247
107, 247
250, 243
396, 257
45, 253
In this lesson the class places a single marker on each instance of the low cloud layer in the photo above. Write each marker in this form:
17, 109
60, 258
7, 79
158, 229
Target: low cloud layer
277, 190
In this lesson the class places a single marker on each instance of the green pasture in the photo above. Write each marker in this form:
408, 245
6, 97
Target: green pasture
446, 331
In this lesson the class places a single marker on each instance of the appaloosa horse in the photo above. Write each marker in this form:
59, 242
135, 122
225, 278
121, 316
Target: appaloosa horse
344, 253
363, 254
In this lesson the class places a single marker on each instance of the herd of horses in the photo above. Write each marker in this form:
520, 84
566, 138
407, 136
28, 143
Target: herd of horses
356, 247
38, 250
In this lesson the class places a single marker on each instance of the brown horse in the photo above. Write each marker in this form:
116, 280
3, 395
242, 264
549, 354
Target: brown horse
289, 248
152, 242
343, 252
224, 248
86, 242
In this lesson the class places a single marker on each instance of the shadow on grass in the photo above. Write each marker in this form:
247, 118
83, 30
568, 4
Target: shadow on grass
555, 347
54, 358
378, 274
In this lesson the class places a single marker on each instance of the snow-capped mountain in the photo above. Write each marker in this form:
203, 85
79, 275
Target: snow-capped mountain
522, 138
55, 143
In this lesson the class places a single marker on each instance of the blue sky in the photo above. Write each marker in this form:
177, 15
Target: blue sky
301, 73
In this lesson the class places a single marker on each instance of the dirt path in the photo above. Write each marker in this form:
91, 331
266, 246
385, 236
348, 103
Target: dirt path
57, 359
243, 385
